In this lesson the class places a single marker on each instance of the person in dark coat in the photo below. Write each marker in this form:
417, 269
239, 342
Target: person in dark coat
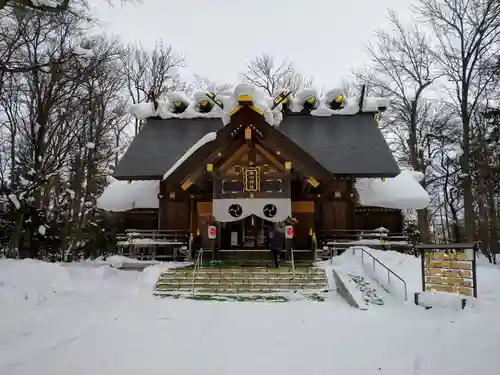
275, 246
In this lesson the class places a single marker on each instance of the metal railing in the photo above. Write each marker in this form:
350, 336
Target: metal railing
293, 262
389, 271
197, 265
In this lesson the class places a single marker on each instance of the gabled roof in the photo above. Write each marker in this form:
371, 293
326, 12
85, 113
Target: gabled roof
159, 144
341, 145
350, 145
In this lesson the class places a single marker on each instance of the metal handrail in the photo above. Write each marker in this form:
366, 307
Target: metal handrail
293, 262
197, 265
389, 271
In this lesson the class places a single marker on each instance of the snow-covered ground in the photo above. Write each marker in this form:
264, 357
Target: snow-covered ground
89, 318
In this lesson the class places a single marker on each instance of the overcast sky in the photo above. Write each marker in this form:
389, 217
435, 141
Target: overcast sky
325, 38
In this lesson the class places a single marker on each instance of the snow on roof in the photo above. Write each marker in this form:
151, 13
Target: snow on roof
120, 196
209, 137
165, 108
142, 110
260, 100
401, 192
297, 103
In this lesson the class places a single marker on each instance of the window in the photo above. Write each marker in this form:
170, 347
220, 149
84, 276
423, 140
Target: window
271, 186
232, 186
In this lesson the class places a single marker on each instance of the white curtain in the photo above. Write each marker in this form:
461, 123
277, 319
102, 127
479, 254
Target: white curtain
277, 209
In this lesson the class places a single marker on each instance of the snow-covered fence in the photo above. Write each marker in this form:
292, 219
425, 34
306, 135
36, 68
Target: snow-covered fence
154, 244
331, 241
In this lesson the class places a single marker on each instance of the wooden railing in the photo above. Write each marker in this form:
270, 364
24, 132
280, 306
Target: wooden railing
153, 244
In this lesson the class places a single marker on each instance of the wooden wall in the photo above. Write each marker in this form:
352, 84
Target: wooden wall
201, 219
336, 208
137, 219
336, 214
304, 212
369, 218
174, 208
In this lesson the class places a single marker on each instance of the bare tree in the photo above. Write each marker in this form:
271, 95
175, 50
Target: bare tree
13, 40
50, 6
154, 71
267, 74
402, 68
58, 133
468, 33
205, 84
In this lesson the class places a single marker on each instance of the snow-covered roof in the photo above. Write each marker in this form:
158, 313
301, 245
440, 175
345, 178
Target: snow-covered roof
401, 192
120, 196
262, 101
205, 139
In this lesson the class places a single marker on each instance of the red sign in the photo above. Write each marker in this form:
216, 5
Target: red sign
212, 232
289, 231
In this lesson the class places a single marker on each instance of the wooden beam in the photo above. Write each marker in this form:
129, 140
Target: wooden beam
252, 155
212, 158
186, 184
235, 156
313, 182
269, 156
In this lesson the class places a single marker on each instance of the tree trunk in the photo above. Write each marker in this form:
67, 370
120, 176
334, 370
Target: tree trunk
484, 227
465, 165
423, 225
15, 238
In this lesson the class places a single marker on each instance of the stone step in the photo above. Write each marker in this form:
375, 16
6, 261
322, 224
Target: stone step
241, 272
224, 291
241, 286
236, 280
210, 290
168, 277
242, 281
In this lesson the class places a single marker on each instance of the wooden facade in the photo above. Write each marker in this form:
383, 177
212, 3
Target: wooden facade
249, 159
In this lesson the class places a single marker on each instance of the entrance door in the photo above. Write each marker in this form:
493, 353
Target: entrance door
251, 232
256, 232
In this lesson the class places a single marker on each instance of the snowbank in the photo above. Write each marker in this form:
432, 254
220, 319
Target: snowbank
31, 281
117, 261
401, 192
121, 196
88, 333
149, 277
409, 268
